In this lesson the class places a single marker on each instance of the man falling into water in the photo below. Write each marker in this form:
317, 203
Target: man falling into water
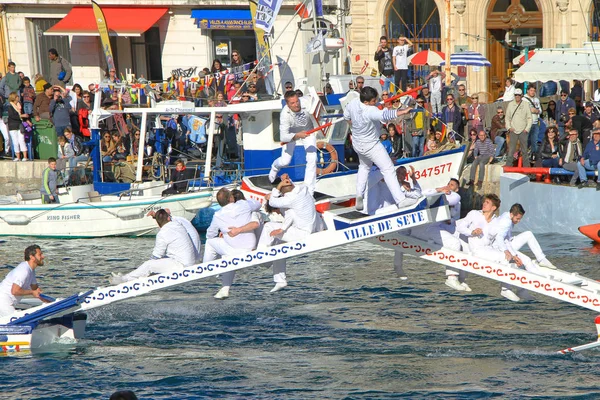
296, 120
366, 120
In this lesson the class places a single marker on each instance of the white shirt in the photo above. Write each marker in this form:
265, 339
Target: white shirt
597, 95
473, 220
509, 93
235, 215
291, 122
191, 231
537, 105
401, 55
500, 233
301, 203
23, 276
366, 124
173, 241
435, 84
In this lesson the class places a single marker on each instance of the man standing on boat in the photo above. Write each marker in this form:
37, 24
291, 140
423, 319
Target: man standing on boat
173, 250
21, 281
366, 121
295, 121
235, 221
50, 183
288, 198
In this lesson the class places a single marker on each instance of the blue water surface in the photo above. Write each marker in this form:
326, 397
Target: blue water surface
345, 328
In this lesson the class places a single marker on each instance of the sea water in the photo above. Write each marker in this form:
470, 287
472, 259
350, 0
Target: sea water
345, 328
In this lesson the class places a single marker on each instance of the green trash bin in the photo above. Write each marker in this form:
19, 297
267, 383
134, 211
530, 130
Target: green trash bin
46, 143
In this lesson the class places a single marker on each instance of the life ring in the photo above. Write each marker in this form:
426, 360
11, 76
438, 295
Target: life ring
333, 159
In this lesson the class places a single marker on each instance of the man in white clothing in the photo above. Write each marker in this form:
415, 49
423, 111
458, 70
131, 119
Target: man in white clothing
294, 122
400, 62
504, 247
288, 198
234, 221
21, 281
474, 227
173, 250
366, 122
189, 228
385, 199
444, 233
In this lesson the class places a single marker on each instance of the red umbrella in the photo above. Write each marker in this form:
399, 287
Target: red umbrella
426, 57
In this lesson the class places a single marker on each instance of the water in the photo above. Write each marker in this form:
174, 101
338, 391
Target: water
345, 328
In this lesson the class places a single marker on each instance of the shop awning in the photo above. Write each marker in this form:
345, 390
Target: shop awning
561, 64
121, 21
223, 19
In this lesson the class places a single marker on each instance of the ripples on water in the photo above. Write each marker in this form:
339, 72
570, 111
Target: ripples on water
344, 328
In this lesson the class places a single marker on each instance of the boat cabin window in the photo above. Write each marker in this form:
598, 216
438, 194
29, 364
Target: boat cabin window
275, 118
340, 130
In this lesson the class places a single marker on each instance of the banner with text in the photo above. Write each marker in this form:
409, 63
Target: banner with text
266, 12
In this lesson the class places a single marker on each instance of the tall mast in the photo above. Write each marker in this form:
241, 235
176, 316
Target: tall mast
447, 26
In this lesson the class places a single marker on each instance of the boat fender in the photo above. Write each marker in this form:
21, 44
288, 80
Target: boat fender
333, 158
18, 219
131, 213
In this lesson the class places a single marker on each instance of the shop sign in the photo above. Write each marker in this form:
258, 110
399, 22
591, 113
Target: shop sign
222, 49
229, 24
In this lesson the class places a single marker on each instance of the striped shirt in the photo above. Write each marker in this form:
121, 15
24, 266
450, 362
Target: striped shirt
366, 124
485, 148
294, 122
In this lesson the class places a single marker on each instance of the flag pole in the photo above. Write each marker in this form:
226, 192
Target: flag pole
447, 54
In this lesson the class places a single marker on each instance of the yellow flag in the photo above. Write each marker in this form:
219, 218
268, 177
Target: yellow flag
104, 39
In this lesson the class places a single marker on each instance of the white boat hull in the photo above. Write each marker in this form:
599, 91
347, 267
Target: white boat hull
112, 216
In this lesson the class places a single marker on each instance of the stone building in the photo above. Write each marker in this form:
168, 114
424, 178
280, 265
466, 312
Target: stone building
150, 37
478, 25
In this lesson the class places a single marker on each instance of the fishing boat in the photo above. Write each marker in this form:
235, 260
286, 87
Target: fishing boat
101, 208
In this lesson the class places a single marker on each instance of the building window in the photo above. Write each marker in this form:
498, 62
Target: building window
146, 55
40, 44
418, 20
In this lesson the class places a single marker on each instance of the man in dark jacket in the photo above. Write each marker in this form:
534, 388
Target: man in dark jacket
383, 56
179, 179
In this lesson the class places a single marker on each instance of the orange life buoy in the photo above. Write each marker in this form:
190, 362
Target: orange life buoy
333, 159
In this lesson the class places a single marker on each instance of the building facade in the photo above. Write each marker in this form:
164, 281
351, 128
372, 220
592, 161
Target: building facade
152, 38
477, 25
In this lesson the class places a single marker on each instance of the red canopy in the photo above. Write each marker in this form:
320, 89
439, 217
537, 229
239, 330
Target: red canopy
121, 21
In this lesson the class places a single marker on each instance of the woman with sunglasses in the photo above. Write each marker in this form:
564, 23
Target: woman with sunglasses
550, 113
108, 147
550, 149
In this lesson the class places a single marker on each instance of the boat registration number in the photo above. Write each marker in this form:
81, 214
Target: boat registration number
433, 171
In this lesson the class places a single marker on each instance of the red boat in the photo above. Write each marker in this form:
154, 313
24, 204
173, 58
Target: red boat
592, 231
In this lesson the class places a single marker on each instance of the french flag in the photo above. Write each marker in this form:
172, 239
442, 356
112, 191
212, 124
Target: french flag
304, 10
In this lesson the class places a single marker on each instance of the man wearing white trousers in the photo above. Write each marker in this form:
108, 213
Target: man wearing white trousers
173, 250
233, 216
366, 120
505, 247
444, 233
288, 198
474, 227
294, 122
